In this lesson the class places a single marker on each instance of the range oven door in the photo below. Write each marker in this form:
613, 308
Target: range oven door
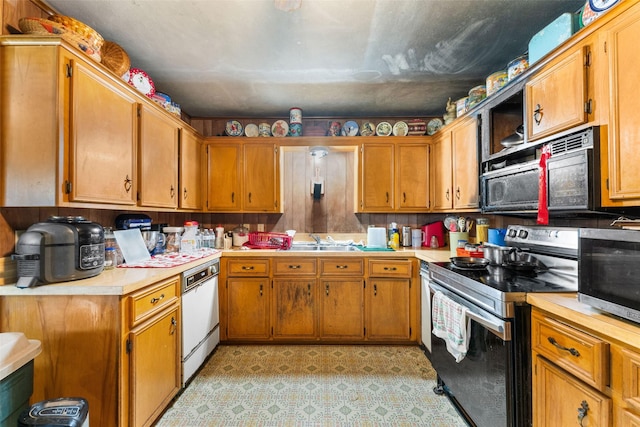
484, 384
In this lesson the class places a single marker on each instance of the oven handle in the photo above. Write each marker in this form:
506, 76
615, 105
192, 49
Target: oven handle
498, 327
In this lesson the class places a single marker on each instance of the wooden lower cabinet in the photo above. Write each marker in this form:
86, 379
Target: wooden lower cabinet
119, 352
318, 299
582, 377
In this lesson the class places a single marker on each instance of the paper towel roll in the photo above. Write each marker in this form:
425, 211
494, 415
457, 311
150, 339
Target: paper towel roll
377, 237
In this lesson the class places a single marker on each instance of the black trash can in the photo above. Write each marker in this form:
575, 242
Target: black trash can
61, 412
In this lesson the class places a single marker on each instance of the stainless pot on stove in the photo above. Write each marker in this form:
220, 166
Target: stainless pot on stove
497, 255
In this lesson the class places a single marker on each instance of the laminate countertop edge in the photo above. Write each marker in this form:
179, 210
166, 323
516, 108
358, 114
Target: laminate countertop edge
587, 318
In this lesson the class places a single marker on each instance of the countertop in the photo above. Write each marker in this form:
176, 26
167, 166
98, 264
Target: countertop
588, 318
122, 281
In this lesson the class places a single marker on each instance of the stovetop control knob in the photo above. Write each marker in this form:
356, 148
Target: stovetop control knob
511, 233
523, 234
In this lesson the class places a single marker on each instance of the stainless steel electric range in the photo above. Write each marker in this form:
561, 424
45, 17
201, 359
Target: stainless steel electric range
491, 386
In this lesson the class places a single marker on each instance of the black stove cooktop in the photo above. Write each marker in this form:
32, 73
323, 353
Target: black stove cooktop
506, 280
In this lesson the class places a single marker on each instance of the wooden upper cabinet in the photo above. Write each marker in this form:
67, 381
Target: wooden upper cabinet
465, 165
158, 183
619, 44
377, 177
441, 172
412, 177
190, 170
261, 191
556, 97
243, 177
69, 135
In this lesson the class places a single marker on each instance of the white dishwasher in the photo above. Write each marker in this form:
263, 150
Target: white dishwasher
200, 316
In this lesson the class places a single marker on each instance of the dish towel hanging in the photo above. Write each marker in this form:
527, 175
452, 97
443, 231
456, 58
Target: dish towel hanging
451, 324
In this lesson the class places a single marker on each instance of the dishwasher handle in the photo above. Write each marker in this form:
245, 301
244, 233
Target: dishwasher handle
495, 325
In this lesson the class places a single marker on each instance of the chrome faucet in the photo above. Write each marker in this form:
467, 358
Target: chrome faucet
315, 237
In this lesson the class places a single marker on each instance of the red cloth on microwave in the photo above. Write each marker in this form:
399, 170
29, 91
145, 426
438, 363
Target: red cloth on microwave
543, 196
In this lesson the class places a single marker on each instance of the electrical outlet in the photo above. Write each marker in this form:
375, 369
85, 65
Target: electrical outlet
260, 227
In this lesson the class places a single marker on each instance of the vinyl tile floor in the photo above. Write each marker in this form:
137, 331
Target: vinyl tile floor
313, 385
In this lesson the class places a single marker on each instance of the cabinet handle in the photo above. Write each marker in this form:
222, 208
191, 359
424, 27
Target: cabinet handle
537, 114
375, 290
458, 193
233, 197
447, 194
390, 268
571, 350
326, 288
387, 193
294, 267
341, 267
174, 326
247, 267
155, 300
260, 289
127, 183
172, 191
309, 288
249, 196
404, 197
582, 411
184, 196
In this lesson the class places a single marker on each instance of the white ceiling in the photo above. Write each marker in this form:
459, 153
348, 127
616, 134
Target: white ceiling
342, 58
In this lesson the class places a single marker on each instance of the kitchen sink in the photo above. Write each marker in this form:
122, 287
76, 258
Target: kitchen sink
322, 247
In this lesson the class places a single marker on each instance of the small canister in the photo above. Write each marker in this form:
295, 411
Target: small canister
476, 95
482, 230
461, 106
334, 129
110, 258
295, 129
496, 81
264, 129
295, 115
517, 66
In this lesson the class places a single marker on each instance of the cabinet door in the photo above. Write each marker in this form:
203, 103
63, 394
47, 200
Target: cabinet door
190, 196
621, 50
342, 308
294, 308
556, 96
223, 177
560, 400
388, 309
412, 177
261, 181
464, 140
158, 159
376, 184
248, 308
103, 138
155, 366
441, 172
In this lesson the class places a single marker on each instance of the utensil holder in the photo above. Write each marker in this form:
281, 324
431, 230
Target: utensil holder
454, 238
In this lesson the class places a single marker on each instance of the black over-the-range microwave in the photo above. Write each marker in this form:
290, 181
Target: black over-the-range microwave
573, 179
609, 271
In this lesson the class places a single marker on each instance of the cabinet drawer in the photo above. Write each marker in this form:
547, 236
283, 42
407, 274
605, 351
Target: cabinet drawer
581, 354
248, 267
389, 268
294, 266
631, 378
153, 299
342, 267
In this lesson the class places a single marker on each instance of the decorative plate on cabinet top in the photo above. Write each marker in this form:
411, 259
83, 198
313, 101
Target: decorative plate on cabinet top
384, 129
368, 129
434, 126
141, 81
251, 130
400, 129
350, 128
233, 128
279, 128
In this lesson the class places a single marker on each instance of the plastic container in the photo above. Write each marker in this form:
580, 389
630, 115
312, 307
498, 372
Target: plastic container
110, 258
482, 230
189, 239
219, 240
173, 238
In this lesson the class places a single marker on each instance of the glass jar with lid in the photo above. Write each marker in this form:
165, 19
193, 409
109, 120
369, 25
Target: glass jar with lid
173, 238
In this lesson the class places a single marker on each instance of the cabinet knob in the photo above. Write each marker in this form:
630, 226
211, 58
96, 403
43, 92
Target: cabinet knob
294, 267
375, 290
127, 183
172, 192
309, 289
447, 194
571, 350
249, 196
390, 268
156, 299
458, 193
184, 195
247, 267
260, 289
326, 288
233, 197
174, 326
341, 267
582, 411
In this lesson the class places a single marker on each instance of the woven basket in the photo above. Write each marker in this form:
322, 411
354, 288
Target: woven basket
41, 26
115, 58
83, 30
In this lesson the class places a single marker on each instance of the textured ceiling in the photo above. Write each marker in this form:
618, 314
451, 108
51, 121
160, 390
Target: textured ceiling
355, 58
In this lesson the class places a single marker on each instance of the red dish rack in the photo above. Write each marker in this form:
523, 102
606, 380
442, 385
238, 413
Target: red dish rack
268, 240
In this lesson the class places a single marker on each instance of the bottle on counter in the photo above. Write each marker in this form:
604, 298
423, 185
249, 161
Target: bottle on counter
110, 242
110, 258
189, 240
394, 236
219, 239
173, 239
